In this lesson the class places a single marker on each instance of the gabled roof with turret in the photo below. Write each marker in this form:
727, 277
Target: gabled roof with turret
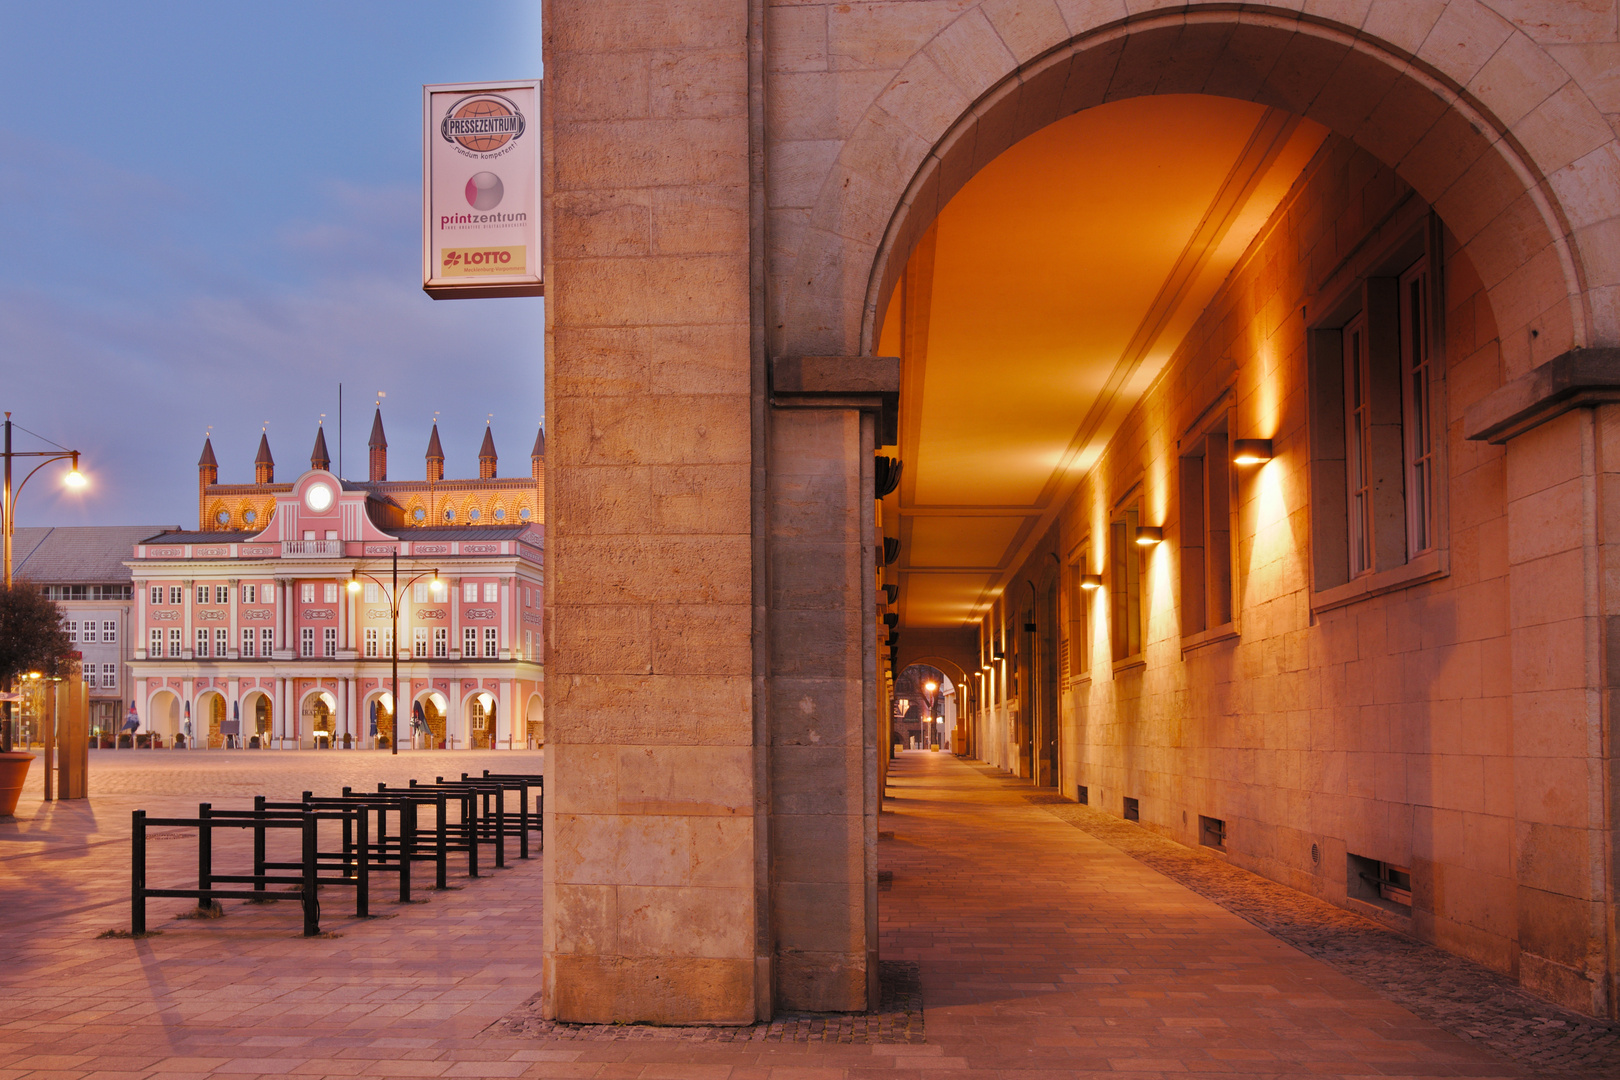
208, 454
539, 443
264, 457
435, 452
488, 449
318, 457
378, 440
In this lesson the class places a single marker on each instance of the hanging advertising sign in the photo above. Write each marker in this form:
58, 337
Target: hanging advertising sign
481, 189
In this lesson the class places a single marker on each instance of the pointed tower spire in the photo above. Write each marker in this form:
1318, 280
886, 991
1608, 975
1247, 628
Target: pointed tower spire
378, 443
264, 466
486, 456
537, 456
318, 457
207, 474
435, 457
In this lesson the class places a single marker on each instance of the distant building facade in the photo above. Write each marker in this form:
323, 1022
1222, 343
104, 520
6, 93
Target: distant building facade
248, 629
82, 568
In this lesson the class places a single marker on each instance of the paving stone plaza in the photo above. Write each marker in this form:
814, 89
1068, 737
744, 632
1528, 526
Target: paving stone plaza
1042, 939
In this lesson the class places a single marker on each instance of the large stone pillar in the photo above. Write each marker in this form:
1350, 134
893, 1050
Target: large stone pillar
829, 415
652, 856
1560, 425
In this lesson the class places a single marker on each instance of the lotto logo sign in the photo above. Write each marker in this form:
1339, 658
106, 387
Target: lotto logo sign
472, 262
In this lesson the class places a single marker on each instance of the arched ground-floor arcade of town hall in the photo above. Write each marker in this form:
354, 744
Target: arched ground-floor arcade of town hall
1224, 396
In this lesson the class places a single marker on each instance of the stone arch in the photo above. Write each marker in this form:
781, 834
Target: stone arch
436, 711
325, 724
535, 721
210, 714
1517, 194
479, 712
251, 727
163, 714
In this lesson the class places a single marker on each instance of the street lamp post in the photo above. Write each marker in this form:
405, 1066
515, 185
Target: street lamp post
8, 523
393, 635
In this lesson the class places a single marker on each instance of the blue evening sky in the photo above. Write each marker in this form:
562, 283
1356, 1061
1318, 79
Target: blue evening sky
210, 214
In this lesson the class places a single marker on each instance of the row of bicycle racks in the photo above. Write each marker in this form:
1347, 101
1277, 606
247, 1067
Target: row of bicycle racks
364, 833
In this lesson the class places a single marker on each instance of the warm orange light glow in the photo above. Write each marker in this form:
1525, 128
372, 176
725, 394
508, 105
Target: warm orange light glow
1149, 535
76, 479
354, 585
1091, 581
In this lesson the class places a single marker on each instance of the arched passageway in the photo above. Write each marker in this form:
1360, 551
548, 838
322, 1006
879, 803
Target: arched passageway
1211, 350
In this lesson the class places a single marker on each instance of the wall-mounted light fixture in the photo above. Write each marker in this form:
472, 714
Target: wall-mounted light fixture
998, 655
1091, 581
1251, 451
1148, 535
892, 593
891, 619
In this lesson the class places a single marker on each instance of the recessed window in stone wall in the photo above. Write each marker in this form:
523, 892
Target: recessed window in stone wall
1125, 585
1375, 463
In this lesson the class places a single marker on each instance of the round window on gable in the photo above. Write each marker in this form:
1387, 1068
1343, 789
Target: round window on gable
524, 513
223, 517
449, 513
472, 515
500, 513
419, 514
250, 516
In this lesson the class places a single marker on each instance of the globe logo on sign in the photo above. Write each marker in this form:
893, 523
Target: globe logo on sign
482, 123
484, 191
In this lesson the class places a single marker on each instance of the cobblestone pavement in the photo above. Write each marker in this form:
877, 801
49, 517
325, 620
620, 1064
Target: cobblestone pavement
1466, 999
1041, 952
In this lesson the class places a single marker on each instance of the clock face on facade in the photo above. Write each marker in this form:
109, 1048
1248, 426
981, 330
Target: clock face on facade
318, 497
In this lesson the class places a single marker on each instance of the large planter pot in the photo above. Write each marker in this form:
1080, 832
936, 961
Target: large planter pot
13, 774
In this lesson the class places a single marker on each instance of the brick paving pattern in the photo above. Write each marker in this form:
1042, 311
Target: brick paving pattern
899, 1019
1041, 952
1460, 996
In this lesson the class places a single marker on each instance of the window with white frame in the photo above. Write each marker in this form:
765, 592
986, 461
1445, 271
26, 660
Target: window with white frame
202, 594
469, 642
109, 630
72, 629
1375, 460
371, 641
331, 592
202, 642
309, 592
175, 638
329, 642
491, 643
528, 643
250, 594
419, 593
469, 591
156, 596
419, 643
388, 641
109, 676
492, 592
371, 592
439, 591
88, 633
89, 674
222, 641
306, 641
222, 594
247, 641
154, 649
267, 641
441, 643
177, 594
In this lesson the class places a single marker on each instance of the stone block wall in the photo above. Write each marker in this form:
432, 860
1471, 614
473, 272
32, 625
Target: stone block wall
1450, 726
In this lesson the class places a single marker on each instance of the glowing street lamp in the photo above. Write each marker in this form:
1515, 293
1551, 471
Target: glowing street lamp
8, 523
394, 594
